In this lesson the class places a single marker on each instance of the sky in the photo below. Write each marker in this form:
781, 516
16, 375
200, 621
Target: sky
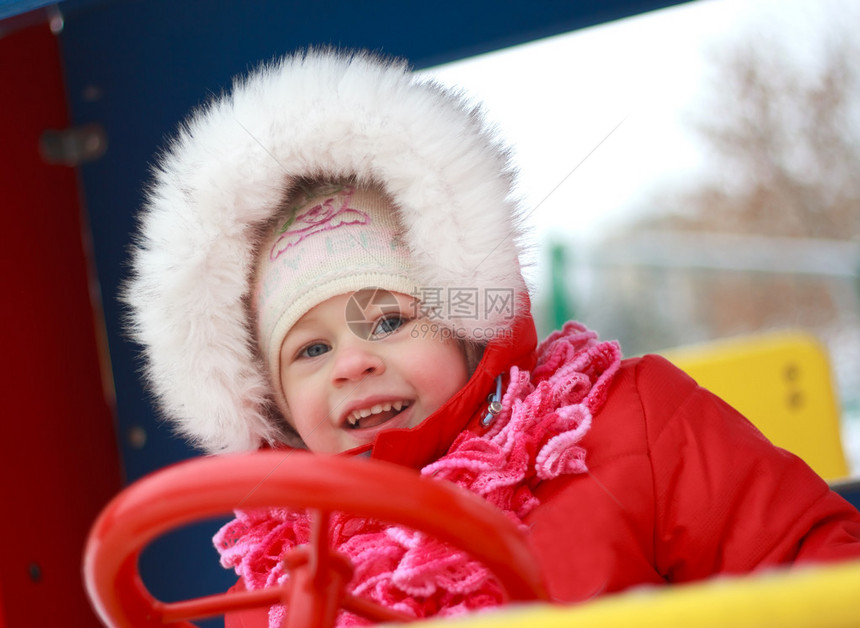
599, 118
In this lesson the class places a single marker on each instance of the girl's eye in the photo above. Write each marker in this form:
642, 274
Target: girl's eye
313, 350
387, 325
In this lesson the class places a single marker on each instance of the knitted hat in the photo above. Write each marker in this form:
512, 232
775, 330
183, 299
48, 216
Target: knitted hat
321, 115
332, 240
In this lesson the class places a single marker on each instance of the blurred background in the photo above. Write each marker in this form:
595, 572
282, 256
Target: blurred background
689, 167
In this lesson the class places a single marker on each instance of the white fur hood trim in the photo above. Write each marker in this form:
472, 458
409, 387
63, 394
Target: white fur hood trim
228, 169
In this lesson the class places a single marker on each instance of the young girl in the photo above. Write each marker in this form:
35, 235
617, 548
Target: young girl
329, 259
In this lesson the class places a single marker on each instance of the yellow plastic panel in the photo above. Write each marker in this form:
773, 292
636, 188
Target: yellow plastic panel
782, 383
821, 597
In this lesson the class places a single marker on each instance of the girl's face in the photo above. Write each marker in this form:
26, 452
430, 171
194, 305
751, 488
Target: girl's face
359, 364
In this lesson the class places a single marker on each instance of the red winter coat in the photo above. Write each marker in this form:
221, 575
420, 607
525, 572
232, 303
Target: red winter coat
679, 486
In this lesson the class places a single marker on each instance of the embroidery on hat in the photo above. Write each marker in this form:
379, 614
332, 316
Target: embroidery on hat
317, 219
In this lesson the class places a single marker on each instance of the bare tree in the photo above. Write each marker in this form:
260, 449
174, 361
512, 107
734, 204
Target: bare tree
785, 141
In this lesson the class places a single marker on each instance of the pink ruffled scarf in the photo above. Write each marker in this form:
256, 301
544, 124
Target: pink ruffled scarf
535, 437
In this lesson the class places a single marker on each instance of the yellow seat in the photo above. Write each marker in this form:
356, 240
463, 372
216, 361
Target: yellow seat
814, 597
781, 382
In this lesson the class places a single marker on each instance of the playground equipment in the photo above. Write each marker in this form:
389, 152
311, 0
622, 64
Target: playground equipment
208, 487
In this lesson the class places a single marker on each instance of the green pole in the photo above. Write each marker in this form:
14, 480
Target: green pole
562, 309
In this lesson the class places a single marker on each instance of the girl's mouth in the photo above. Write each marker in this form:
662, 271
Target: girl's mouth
375, 415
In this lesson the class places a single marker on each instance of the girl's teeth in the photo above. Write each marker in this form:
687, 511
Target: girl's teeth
357, 415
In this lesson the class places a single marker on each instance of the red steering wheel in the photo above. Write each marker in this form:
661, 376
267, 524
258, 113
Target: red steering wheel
316, 589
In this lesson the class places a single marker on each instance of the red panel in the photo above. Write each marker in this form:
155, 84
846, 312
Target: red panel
58, 446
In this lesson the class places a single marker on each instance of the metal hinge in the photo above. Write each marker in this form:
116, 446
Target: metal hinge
73, 146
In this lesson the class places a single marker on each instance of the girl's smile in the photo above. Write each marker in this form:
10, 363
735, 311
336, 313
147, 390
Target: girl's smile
381, 411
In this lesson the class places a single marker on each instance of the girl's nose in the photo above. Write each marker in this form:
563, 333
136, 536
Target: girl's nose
357, 361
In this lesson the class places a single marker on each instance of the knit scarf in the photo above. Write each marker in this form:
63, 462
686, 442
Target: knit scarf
533, 438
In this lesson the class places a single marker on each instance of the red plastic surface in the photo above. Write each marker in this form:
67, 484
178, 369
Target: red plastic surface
208, 487
59, 449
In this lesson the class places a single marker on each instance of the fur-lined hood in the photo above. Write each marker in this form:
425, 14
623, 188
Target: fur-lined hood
228, 170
